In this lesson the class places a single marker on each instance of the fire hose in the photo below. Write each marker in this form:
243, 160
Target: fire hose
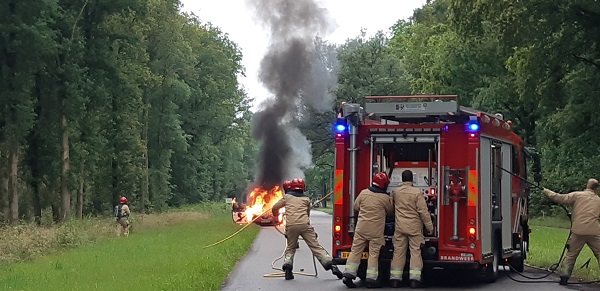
554, 266
281, 273
237, 232
257, 217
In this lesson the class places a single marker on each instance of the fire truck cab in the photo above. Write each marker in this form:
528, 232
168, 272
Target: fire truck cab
468, 164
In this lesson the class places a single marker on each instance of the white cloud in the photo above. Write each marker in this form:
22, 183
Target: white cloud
350, 16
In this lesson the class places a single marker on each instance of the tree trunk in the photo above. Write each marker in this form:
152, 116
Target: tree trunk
66, 194
80, 195
96, 201
5, 200
145, 179
324, 203
14, 185
55, 210
37, 202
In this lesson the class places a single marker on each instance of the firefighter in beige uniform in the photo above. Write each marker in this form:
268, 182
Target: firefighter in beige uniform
585, 228
297, 211
122, 214
372, 204
411, 215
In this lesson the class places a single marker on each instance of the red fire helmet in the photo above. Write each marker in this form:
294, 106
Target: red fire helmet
287, 185
298, 184
123, 200
381, 180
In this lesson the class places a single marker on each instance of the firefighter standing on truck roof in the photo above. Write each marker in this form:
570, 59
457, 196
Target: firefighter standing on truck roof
372, 204
411, 215
585, 224
122, 213
297, 211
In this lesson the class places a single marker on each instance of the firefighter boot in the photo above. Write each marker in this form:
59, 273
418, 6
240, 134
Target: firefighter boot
395, 283
334, 270
564, 280
289, 275
416, 284
337, 272
348, 280
371, 283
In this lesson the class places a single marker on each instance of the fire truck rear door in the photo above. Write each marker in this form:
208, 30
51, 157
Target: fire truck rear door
486, 196
506, 198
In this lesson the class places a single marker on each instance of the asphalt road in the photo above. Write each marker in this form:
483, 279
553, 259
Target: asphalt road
250, 272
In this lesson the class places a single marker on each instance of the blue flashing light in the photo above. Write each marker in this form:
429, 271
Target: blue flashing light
340, 127
473, 126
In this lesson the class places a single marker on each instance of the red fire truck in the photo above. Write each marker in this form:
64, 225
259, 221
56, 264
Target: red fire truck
469, 165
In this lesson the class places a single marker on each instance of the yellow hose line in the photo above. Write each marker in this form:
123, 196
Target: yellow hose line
320, 200
240, 230
281, 273
257, 217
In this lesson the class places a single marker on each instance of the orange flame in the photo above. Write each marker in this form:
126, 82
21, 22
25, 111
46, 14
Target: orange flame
261, 200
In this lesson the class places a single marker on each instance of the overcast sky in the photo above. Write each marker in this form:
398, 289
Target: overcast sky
236, 19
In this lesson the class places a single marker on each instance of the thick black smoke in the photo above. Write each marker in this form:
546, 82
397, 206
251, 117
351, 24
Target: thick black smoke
287, 71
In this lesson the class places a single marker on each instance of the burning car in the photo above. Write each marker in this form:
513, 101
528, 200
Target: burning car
259, 203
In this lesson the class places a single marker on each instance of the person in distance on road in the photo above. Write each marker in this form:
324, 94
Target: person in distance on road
297, 211
585, 224
373, 205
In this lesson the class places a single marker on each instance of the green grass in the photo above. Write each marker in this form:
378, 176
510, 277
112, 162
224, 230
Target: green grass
161, 258
546, 245
551, 221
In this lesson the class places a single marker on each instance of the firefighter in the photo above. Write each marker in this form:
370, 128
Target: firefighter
122, 214
411, 216
585, 227
286, 188
297, 211
372, 204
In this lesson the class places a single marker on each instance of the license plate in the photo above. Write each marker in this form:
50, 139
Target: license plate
365, 255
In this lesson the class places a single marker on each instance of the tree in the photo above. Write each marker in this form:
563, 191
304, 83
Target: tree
24, 42
368, 67
107, 99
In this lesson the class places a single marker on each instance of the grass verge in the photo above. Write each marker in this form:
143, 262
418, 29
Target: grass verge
545, 248
28, 241
151, 258
551, 221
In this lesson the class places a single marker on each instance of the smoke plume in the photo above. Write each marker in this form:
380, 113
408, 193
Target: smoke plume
290, 71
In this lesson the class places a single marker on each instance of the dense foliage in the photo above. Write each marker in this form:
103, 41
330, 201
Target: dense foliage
536, 61
105, 98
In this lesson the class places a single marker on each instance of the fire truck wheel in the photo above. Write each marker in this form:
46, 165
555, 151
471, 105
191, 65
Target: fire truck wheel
384, 271
517, 263
491, 270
